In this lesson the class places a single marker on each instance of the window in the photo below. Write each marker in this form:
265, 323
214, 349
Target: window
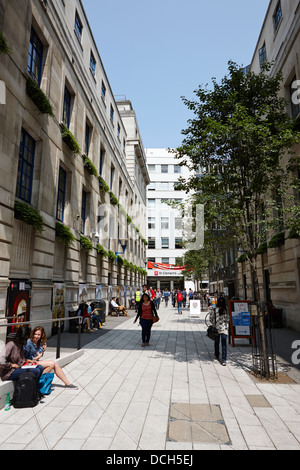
151, 168
178, 223
35, 57
112, 113
103, 91
165, 243
78, 26
177, 169
295, 97
262, 55
151, 222
102, 158
151, 203
25, 167
93, 64
163, 186
165, 168
67, 108
151, 260
178, 243
277, 15
88, 133
151, 187
151, 243
61, 195
119, 130
83, 211
165, 260
112, 175
164, 223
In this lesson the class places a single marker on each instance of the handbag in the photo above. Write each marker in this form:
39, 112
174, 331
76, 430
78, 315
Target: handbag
212, 331
155, 319
45, 382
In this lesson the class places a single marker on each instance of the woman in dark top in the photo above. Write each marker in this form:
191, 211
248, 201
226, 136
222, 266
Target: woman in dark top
12, 357
146, 311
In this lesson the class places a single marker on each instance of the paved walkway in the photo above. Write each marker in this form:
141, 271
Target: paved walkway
169, 396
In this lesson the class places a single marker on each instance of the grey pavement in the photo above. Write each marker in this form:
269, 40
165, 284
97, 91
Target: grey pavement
170, 396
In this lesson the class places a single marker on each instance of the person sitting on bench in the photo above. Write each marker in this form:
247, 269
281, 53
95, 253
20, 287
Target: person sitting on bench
118, 308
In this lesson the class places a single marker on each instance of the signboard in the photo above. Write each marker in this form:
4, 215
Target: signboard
18, 303
195, 308
152, 272
240, 320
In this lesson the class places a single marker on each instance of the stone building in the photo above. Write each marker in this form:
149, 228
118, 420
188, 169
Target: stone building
279, 43
73, 153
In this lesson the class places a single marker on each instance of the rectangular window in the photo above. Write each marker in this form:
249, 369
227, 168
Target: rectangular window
102, 158
151, 223
35, 57
93, 64
67, 108
165, 223
103, 91
88, 133
119, 130
262, 55
112, 113
151, 168
61, 195
277, 15
151, 243
165, 260
177, 169
112, 175
178, 243
83, 211
165, 168
151, 203
78, 26
25, 167
178, 223
165, 243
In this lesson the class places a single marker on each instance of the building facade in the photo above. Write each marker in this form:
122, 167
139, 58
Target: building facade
279, 280
165, 223
72, 159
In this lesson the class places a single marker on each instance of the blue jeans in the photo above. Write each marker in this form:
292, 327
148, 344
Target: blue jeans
17, 372
146, 329
223, 338
179, 305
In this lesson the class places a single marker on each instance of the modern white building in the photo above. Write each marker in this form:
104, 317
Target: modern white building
165, 223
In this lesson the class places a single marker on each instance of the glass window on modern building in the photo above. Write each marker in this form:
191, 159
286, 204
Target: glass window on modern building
25, 167
165, 168
35, 57
164, 243
165, 223
277, 15
151, 223
151, 243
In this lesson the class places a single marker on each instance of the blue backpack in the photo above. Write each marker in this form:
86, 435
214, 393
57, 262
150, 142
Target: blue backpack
45, 382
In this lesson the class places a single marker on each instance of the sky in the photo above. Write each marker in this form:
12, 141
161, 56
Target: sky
154, 52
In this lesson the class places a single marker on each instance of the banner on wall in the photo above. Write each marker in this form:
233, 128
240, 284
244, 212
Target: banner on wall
165, 267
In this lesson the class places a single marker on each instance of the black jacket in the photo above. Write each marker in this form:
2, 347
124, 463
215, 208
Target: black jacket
153, 309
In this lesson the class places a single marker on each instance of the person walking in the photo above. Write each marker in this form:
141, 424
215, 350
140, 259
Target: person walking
146, 312
166, 297
179, 301
220, 320
137, 299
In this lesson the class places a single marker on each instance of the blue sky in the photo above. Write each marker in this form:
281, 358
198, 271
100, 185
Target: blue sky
156, 51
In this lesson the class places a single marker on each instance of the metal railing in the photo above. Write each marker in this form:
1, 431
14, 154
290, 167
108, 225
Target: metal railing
60, 321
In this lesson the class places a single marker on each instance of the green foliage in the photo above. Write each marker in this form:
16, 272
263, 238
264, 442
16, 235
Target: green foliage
103, 185
88, 164
64, 234
111, 255
101, 251
120, 260
38, 97
294, 233
4, 49
86, 244
29, 215
277, 240
113, 199
70, 140
263, 248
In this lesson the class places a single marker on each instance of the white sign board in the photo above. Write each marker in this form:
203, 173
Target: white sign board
195, 308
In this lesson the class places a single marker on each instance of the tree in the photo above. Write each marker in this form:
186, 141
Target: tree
240, 138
